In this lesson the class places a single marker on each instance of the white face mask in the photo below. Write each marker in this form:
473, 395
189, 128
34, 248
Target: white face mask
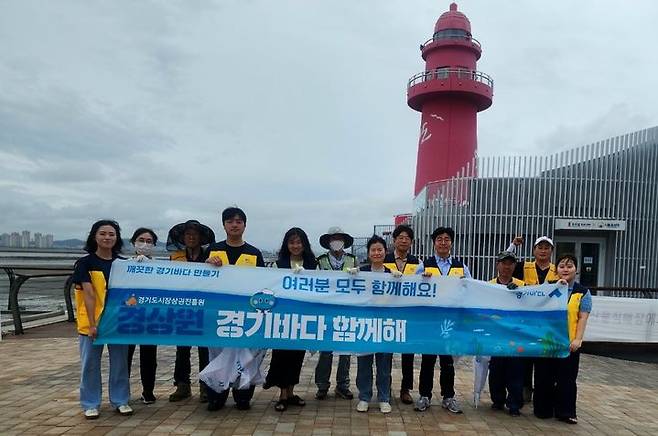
336, 245
143, 248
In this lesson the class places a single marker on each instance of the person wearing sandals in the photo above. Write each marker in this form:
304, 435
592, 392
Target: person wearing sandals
555, 378
90, 276
376, 247
186, 241
144, 240
286, 365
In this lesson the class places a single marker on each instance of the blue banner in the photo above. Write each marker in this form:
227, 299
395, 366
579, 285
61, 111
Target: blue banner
174, 303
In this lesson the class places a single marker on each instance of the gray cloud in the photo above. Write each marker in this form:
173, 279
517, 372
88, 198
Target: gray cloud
153, 113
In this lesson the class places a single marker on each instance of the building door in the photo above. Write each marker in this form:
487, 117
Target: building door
590, 253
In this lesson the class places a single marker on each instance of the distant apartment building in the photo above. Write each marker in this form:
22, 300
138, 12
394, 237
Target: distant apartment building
15, 239
23, 240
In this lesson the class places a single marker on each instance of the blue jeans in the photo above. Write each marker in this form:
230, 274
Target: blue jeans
364, 376
91, 389
323, 371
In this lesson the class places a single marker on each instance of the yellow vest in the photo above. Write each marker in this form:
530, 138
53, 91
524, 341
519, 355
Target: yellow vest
516, 281
530, 274
573, 308
243, 260
179, 256
100, 288
409, 268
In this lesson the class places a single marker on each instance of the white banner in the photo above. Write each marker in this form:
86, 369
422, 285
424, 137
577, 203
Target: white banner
615, 319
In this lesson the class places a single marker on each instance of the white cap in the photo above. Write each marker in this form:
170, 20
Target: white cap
543, 239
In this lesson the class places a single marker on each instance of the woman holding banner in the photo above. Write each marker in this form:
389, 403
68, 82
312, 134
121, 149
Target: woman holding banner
555, 379
376, 253
286, 365
144, 240
90, 277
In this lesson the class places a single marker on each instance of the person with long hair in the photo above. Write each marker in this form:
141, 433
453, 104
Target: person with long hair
144, 240
90, 278
286, 365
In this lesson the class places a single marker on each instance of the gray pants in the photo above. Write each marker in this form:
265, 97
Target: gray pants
323, 371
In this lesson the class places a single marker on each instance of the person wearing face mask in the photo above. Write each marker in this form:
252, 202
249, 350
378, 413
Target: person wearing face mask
534, 272
144, 241
555, 378
186, 241
336, 241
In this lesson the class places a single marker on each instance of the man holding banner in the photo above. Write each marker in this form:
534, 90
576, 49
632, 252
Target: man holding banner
443, 264
401, 260
233, 251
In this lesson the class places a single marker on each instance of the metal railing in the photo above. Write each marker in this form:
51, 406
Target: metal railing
619, 291
445, 73
465, 38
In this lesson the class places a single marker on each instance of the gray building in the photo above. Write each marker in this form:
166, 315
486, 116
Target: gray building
599, 202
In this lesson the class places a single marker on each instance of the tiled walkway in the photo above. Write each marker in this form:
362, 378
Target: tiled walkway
39, 395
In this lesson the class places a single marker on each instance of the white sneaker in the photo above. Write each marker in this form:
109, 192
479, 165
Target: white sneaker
92, 414
362, 406
125, 410
385, 407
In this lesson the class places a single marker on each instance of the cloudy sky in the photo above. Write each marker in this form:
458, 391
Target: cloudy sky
153, 113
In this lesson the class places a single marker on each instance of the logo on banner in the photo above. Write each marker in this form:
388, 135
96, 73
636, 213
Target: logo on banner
263, 301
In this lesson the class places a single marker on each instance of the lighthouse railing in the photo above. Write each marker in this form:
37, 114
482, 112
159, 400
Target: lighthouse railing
445, 73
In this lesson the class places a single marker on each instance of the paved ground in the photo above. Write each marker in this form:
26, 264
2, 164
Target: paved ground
39, 395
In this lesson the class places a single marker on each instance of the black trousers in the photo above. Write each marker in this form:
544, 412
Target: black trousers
407, 372
528, 367
446, 379
506, 381
148, 363
555, 386
239, 395
285, 367
183, 368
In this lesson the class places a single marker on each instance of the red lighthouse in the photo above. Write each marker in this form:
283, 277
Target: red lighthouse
449, 94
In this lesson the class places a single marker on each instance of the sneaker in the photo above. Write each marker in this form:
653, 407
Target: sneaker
344, 393
451, 404
385, 407
422, 404
125, 410
405, 396
362, 406
148, 398
92, 414
514, 412
321, 395
182, 392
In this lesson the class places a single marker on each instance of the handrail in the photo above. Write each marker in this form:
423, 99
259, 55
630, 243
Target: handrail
468, 38
16, 280
444, 73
